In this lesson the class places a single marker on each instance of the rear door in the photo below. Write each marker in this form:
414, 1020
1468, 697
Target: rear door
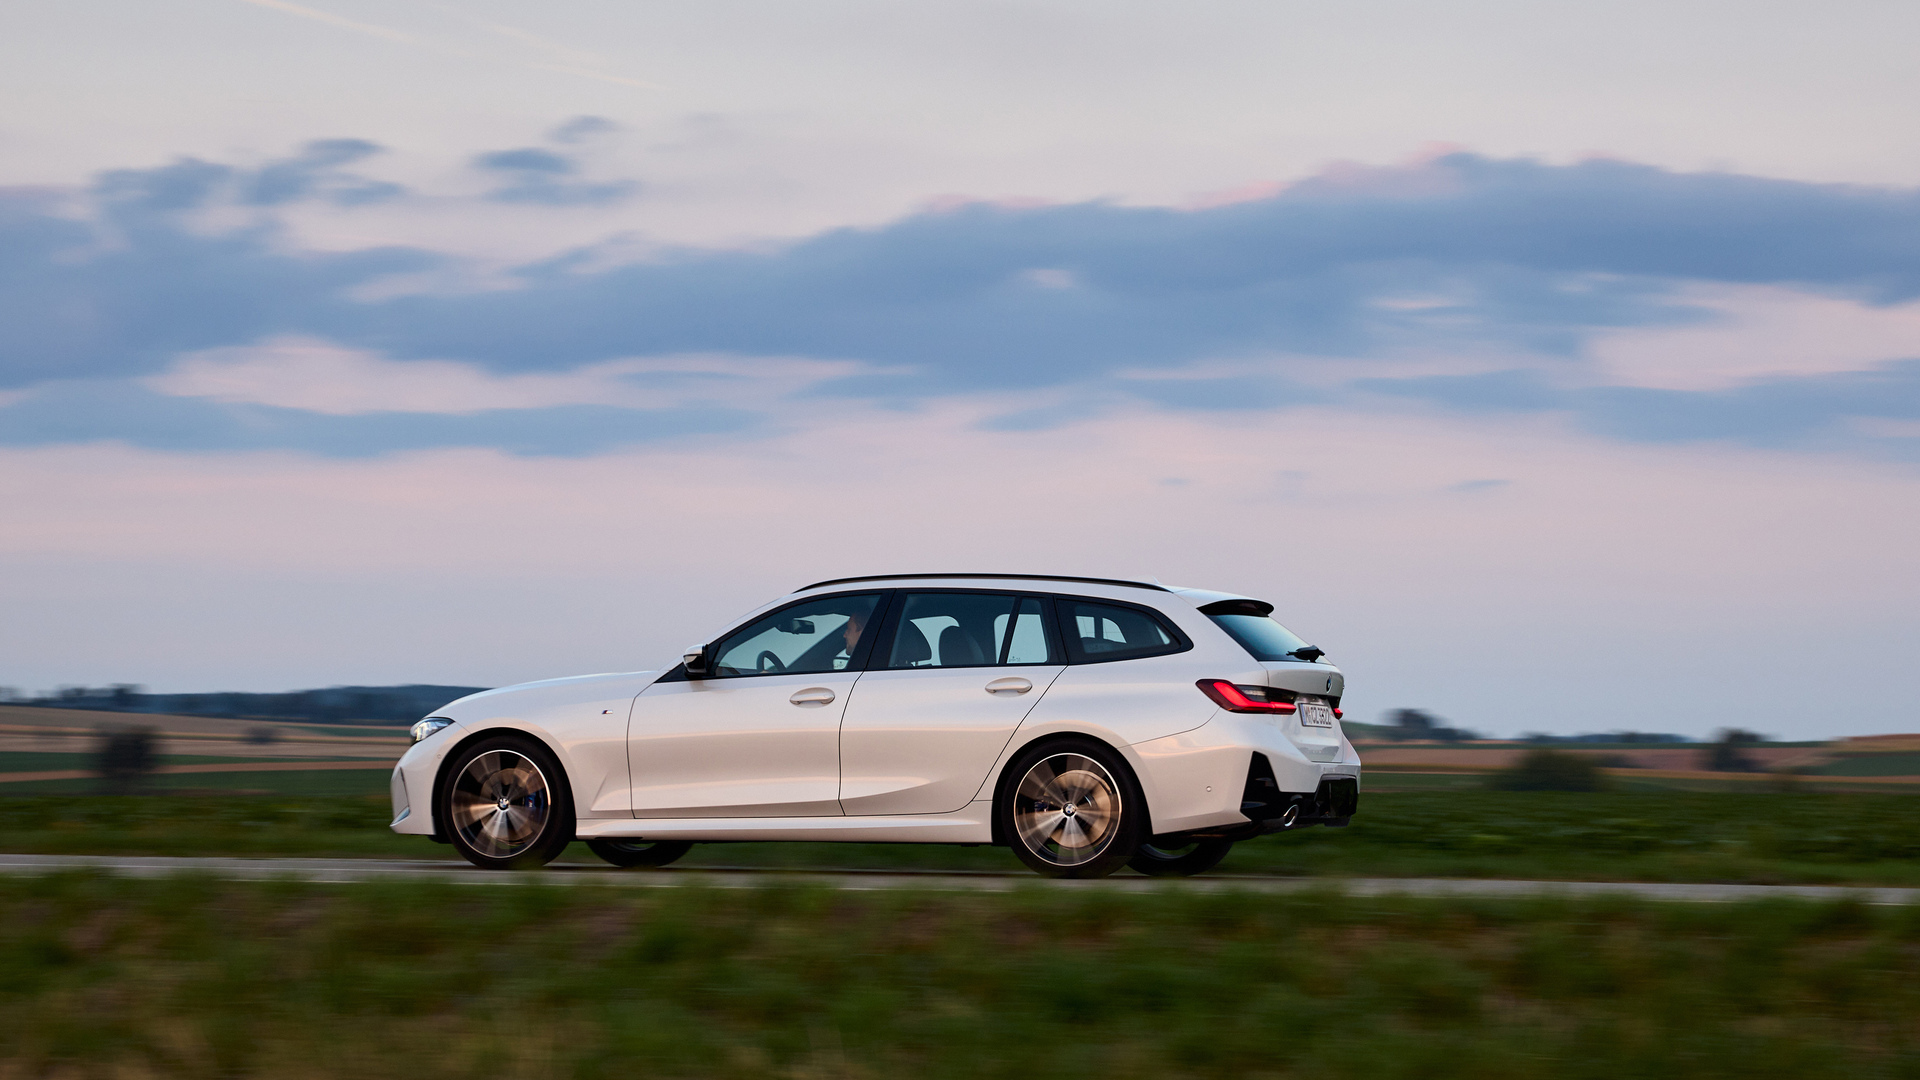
955, 672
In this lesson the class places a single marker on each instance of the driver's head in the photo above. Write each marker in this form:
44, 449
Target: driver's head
855, 623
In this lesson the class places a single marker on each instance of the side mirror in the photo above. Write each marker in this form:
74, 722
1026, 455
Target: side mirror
696, 661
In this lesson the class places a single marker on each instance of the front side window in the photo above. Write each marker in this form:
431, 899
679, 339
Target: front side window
1097, 632
810, 637
969, 630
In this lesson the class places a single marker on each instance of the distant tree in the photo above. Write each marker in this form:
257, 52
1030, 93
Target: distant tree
11, 693
1550, 770
123, 757
263, 735
1727, 754
1410, 725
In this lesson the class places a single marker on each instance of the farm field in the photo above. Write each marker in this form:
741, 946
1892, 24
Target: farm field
1425, 813
192, 977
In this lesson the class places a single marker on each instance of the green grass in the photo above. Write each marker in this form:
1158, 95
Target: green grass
354, 730
1895, 764
194, 978
39, 761
1744, 836
296, 784
1850, 838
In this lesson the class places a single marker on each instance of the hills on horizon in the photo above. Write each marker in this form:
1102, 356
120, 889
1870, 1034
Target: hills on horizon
332, 705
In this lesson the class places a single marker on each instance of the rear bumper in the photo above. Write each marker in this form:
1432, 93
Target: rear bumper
1264, 804
1199, 780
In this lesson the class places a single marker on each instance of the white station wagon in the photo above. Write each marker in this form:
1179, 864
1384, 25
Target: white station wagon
1085, 723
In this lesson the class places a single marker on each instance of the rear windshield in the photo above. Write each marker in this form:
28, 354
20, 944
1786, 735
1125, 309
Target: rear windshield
1260, 635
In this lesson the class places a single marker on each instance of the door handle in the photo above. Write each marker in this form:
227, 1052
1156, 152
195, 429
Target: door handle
1012, 684
812, 697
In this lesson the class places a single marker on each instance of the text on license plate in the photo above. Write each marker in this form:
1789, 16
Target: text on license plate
1314, 714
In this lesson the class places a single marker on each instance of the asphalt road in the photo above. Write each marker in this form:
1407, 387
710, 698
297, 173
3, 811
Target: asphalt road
353, 870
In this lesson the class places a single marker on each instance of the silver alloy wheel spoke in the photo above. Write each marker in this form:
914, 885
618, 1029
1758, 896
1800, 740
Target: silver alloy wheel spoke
500, 803
1065, 808
1039, 828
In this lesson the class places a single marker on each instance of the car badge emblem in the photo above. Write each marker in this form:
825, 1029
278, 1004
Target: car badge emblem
1329, 684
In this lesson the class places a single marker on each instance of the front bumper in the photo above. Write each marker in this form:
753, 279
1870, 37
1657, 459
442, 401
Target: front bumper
412, 785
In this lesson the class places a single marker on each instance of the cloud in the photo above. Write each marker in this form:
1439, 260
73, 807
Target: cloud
1819, 410
541, 176
190, 184
582, 128
316, 171
1583, 289
125, 412
319, 377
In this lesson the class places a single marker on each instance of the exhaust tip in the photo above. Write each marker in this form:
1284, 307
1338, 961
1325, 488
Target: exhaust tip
1291, 815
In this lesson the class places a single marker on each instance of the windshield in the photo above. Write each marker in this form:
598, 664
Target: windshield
1260, 635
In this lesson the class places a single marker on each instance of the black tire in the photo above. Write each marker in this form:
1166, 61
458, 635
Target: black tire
1050, 795
505, 804
1183, 859
639, 852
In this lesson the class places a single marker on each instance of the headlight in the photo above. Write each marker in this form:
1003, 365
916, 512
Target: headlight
428, 726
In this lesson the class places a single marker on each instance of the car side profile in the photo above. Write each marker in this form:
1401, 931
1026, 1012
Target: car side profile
1084, 723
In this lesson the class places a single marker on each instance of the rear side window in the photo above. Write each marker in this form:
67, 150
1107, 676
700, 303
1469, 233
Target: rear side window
1097, 632
957, 629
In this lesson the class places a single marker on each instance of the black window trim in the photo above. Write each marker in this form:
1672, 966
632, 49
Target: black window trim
990, 577
890, 607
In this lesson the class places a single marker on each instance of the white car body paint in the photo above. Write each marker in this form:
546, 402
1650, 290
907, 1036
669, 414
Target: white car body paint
894, 756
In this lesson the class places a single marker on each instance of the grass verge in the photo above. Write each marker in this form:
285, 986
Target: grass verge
196, 978
1761, 838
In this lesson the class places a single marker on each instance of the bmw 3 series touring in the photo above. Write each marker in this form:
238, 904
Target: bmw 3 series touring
1085, 723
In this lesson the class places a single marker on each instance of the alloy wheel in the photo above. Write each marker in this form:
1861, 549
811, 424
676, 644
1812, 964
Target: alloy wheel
1067, 809
501, 804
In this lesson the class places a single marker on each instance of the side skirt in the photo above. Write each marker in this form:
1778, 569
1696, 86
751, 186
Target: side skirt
969, 825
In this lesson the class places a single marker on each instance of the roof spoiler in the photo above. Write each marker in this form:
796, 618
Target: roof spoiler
1238, 607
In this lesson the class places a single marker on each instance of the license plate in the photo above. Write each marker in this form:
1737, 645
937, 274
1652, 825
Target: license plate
1314, 714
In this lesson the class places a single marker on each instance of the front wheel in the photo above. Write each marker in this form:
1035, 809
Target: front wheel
1183, 859
505, 804
639, 852
1072, 810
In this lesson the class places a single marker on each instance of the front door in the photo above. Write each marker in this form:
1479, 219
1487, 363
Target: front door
955, 674
760, 736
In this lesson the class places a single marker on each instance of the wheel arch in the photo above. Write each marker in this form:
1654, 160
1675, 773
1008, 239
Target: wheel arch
1005, 778
445, 769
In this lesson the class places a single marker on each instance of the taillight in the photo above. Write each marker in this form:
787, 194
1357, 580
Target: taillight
1239, 697
1337, 714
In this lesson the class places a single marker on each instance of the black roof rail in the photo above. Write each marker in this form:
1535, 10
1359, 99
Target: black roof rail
1002, 577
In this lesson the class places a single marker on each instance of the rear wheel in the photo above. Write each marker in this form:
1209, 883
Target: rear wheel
1072, 810
639, 852
1183, 858
505, 804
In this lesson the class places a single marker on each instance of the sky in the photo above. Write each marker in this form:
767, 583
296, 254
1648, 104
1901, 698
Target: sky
1554, 367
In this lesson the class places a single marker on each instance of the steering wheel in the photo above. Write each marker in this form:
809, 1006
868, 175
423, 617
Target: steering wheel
766, 658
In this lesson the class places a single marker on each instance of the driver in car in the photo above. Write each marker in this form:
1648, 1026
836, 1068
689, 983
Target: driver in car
851, 634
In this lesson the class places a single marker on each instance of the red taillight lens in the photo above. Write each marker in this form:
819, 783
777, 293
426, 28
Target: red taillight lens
1237, 698
1337, 714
